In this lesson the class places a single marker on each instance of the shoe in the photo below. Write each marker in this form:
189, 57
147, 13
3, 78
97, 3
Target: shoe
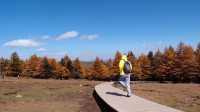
129, 95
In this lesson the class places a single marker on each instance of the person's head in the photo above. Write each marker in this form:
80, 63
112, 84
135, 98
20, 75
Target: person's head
124, 57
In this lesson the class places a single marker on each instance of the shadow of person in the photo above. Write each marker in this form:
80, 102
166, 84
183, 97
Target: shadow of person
116, 94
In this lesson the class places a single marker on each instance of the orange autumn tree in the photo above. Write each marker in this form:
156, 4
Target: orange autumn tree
44, 69
79, 68
157, 66
30, 66
179, 65
109, 65
137, 70
197, 54
131, 57
145, 65
151, 74
115, 66
166, 64
89, 73
53, 65
186, 66
59, 72
100, 71
68, 64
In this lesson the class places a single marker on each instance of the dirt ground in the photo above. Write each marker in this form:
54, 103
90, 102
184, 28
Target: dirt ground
34, 95
185, 97
31, 95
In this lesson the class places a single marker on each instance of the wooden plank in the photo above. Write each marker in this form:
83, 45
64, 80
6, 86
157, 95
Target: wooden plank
117, 99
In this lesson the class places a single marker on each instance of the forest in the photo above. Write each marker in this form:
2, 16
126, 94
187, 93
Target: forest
180, 64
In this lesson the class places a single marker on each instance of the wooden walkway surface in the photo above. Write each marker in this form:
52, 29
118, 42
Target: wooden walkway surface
117, 100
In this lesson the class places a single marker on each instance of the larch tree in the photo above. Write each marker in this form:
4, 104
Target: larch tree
167, 63
89, 73
132, 59
197, 53
15, 68
59, 71
185, 64
115, 67
158, 66
53, 64
79, 68
151, 74
109, 65
44, 69
30, 66
100, 71
1, 68
137, 70
145, 65
62, 72
4, 67
67, 63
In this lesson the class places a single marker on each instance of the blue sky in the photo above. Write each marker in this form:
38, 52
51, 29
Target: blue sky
87, 28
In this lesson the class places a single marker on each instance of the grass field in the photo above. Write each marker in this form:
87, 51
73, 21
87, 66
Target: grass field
33, 95
185, 97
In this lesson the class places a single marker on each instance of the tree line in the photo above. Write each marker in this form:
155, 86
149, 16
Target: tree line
180, 64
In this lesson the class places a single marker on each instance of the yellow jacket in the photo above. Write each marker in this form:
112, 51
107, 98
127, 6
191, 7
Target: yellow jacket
121, 64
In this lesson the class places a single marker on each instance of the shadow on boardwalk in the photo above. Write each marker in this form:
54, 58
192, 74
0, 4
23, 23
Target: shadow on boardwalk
115, 93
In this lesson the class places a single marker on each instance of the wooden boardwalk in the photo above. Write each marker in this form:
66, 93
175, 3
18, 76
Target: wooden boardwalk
117, 100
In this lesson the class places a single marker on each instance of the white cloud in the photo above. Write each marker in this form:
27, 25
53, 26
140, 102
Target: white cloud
22, 43
45, 37
89, 37
41, 49
67, 35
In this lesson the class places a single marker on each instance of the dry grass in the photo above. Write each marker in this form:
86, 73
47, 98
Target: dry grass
47, 96
185, 97
76, 95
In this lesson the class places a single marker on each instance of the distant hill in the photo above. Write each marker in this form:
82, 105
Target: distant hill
87, 63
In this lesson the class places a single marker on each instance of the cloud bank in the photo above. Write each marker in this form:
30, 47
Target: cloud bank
89, 37
22, 43
67, 35
45, 37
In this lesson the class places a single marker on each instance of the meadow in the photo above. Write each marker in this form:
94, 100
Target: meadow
42, 95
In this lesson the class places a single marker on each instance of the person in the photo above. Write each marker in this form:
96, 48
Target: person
125, 69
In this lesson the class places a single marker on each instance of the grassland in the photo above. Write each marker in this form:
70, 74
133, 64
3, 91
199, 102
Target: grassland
185, 97
33, 95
